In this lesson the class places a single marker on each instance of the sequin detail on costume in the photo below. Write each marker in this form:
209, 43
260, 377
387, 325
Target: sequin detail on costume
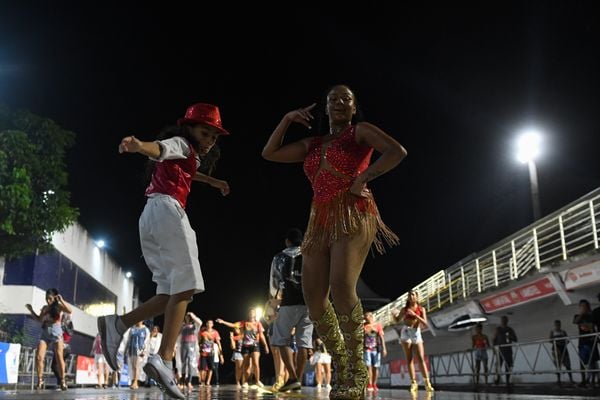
331, 169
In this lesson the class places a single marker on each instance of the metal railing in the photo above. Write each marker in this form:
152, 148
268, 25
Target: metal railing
27, 365
529, 358
570, 231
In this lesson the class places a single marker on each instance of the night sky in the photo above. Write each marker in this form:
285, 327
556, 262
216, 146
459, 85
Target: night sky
453, 85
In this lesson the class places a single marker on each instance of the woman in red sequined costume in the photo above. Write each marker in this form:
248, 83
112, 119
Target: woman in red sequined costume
344, 223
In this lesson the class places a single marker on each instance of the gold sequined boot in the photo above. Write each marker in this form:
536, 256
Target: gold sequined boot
428, 386
328, 329
353, 330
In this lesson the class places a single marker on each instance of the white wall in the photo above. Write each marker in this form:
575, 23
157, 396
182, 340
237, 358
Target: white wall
76, 244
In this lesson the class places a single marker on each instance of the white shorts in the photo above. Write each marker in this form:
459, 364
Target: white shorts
169, 246
323, 358
411, 335
99, 359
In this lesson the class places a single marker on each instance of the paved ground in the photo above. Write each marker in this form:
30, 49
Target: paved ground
230, 392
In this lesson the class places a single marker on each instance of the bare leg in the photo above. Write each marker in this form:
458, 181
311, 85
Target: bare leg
238, 371
39, 361
315, 282
301, 358
278, 364
327, 368
135, 369
174, 313
319, 375
407, 347
348, 255
245, 368
256, 365
421, 359
60, 359
286, 357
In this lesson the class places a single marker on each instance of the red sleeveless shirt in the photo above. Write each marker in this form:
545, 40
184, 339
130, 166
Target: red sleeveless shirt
174, 177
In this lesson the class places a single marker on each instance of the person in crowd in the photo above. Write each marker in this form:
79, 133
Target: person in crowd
99, 363
188, 342
292, 327
413, 316
503, 339
253, 336
560, 353
374, 349
137, 343
208, 338
218, 360
588, 353
153, 346
236, 340
480, 344
322, 363
52, 334
68, 331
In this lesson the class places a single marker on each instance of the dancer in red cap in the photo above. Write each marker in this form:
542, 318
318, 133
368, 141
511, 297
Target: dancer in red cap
168, 241
343, 224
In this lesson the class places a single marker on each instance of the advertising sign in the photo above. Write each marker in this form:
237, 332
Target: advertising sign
531, 291
85, 373
582, 276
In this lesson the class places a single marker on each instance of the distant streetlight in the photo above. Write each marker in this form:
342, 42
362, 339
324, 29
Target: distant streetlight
528, 150
100, 244
259, 313
127, 274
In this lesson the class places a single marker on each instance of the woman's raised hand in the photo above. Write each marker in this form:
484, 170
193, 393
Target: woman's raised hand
302, 115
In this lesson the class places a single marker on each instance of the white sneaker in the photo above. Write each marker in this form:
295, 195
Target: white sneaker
111, 339
156, 369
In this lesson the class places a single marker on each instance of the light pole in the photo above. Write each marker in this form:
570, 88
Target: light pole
528, 151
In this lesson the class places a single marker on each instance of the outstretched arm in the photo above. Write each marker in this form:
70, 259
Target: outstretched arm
222, 185
229, 324
33, 314
131, 144
391, 151
274, 150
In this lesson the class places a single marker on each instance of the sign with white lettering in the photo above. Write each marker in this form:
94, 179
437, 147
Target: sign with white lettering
531, 291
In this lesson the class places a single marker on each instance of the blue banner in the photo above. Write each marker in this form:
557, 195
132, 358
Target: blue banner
9, 362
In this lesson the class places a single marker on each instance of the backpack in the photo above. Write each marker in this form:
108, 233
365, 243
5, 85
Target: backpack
291, 271
67, 325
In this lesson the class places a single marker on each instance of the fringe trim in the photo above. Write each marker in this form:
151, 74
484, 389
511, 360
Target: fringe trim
346, 215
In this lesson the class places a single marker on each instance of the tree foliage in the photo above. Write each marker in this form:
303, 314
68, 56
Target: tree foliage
34, 200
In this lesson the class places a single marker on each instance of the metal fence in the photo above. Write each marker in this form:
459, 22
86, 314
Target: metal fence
568, 232
537, 357
27, 366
